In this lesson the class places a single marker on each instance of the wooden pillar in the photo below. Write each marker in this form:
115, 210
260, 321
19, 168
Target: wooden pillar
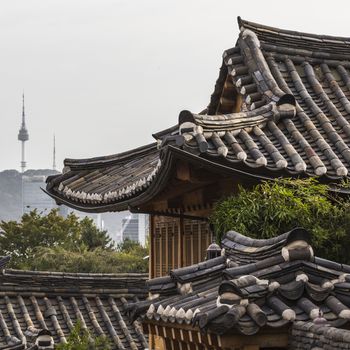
159, 343
161, 256
173, 248
169, 344
167, 248
208, 238
192, 245
200, 253
181, 247
152, 250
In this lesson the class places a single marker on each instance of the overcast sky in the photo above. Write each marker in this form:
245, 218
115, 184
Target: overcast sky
103, 75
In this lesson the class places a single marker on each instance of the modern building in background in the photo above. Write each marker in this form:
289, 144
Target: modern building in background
135, 228
33, 197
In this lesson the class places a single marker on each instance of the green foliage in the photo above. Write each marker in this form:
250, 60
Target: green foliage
81, 339
70, 244
274, 207
92, 237
129, 246
98, 260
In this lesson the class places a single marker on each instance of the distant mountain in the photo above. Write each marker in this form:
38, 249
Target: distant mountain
11, 191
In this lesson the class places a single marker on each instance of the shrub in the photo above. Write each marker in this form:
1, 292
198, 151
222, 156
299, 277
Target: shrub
81, 339
70, 244
99, 260
273, 207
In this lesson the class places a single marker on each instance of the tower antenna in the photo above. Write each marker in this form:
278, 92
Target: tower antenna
23, 136
54, 153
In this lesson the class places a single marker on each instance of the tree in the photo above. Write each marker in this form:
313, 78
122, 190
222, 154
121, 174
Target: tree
98, 260
70, 244
22, 239
92, 237
81, 339
273, 207
129, 246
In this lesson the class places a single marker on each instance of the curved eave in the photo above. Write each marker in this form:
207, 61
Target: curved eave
141, 196
170, 154
166, 132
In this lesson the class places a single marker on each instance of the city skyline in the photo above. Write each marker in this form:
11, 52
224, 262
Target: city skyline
89, 68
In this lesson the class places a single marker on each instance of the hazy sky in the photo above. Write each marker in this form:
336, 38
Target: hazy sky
103, 75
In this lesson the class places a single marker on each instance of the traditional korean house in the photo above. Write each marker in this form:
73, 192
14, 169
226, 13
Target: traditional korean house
281, 107
38, 310
257, 294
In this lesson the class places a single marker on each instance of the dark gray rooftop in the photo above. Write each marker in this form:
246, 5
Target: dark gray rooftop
257, 283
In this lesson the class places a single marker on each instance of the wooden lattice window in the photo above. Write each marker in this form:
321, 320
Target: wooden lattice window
177, 243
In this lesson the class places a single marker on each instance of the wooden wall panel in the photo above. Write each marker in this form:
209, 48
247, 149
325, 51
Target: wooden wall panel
156, 252
163, 249
197, 238
176, 246
177, 243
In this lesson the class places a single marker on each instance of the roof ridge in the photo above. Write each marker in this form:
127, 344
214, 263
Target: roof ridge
108, 160
262, 27
228, 121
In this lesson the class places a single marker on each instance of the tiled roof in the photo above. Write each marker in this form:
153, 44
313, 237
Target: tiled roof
295, 115
294, 120
241, 250
33, 302
106, 179
281, 283
308, 336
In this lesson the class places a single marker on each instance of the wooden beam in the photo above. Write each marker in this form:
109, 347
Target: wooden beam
251, 347
159, 205
183, 171
177, 189
171, 215
238, 105
193, 198
266, 338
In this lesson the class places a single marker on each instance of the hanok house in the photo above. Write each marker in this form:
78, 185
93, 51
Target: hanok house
39, 309
260, 294
280, 107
